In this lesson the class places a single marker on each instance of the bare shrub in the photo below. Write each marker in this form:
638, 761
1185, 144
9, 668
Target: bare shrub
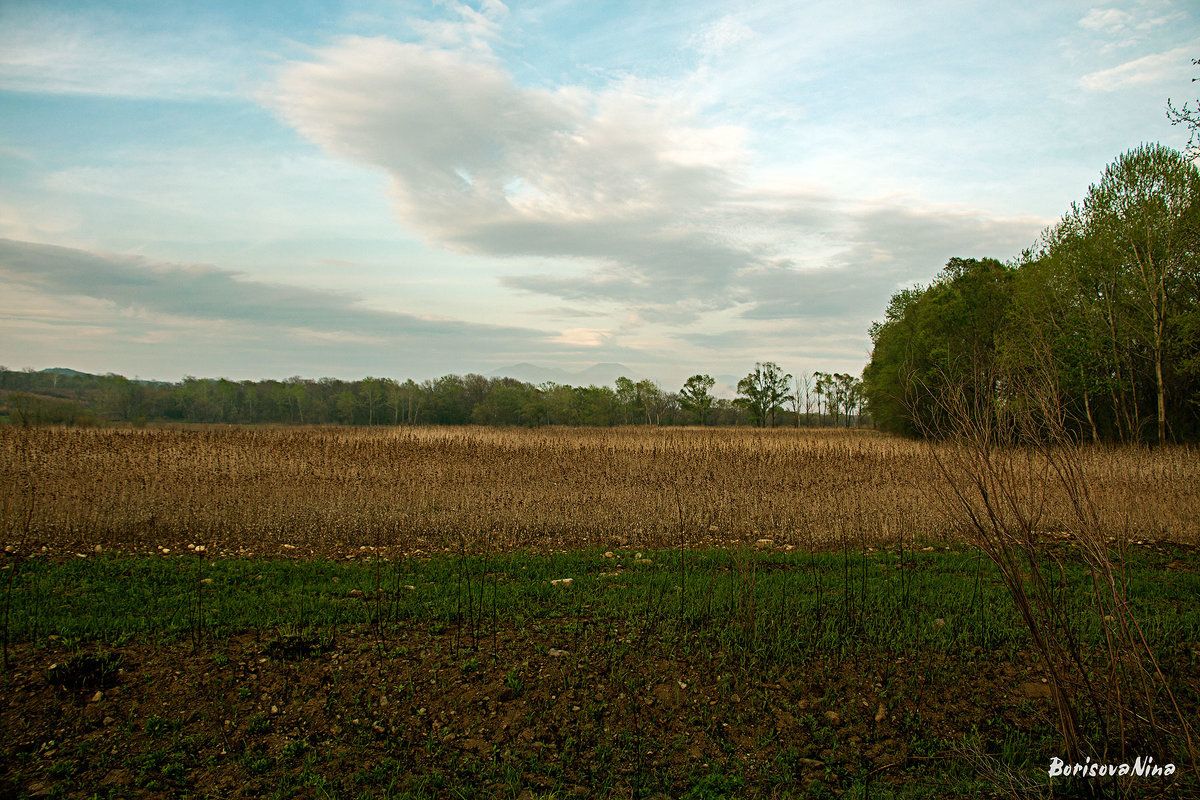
1002, 466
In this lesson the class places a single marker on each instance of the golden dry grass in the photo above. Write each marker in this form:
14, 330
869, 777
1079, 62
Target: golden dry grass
329, 491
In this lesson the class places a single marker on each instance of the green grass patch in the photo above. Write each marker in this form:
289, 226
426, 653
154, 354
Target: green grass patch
770, 604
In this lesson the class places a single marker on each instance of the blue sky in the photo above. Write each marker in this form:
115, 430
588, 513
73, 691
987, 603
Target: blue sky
414, 189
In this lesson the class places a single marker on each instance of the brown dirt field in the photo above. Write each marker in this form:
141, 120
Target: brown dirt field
610, 716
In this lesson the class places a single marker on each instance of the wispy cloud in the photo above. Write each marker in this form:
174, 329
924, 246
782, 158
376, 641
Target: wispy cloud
1147, 69
1128, 28
1112, 21
54, 52
718, 38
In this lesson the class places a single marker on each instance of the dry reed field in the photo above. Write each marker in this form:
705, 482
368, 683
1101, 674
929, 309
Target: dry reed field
337, 491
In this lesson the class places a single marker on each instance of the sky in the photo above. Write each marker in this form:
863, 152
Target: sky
403, 189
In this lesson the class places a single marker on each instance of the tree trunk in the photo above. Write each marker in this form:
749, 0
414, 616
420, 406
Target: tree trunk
1162, 398
1087, 407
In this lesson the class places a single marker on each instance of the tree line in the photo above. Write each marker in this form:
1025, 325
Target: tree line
766, 397
1099, 320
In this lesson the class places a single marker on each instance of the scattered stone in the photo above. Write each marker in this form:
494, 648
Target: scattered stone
939, 623
109, 720
97, 697
206, 581
99, 549
642, 561
1034, 690
608, 554
562, 582
556, 653
117, 777
880, 713
289, 547
355, 593
833, 717
811, 763
682, 685
765, 543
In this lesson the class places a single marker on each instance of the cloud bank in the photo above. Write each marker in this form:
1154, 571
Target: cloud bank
628, 196
203, 295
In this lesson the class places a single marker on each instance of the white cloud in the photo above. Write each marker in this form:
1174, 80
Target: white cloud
481, 164
59, 53
1124, 29
474, 28
721, 36
584, 337
629, 196
1106, 20
1147, 69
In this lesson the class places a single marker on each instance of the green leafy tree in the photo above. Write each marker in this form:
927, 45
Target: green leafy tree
372, 391
347, 404
652, 401
627, 399
763, 392
934, 339
1145, 212
406, 401
695, 397
847, 391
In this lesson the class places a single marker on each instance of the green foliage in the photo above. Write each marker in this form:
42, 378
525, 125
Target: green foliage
932, 338
513, 681
763, 392
879, 601
1098, 322
30, 409
68, 398
716, 786
694, 397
